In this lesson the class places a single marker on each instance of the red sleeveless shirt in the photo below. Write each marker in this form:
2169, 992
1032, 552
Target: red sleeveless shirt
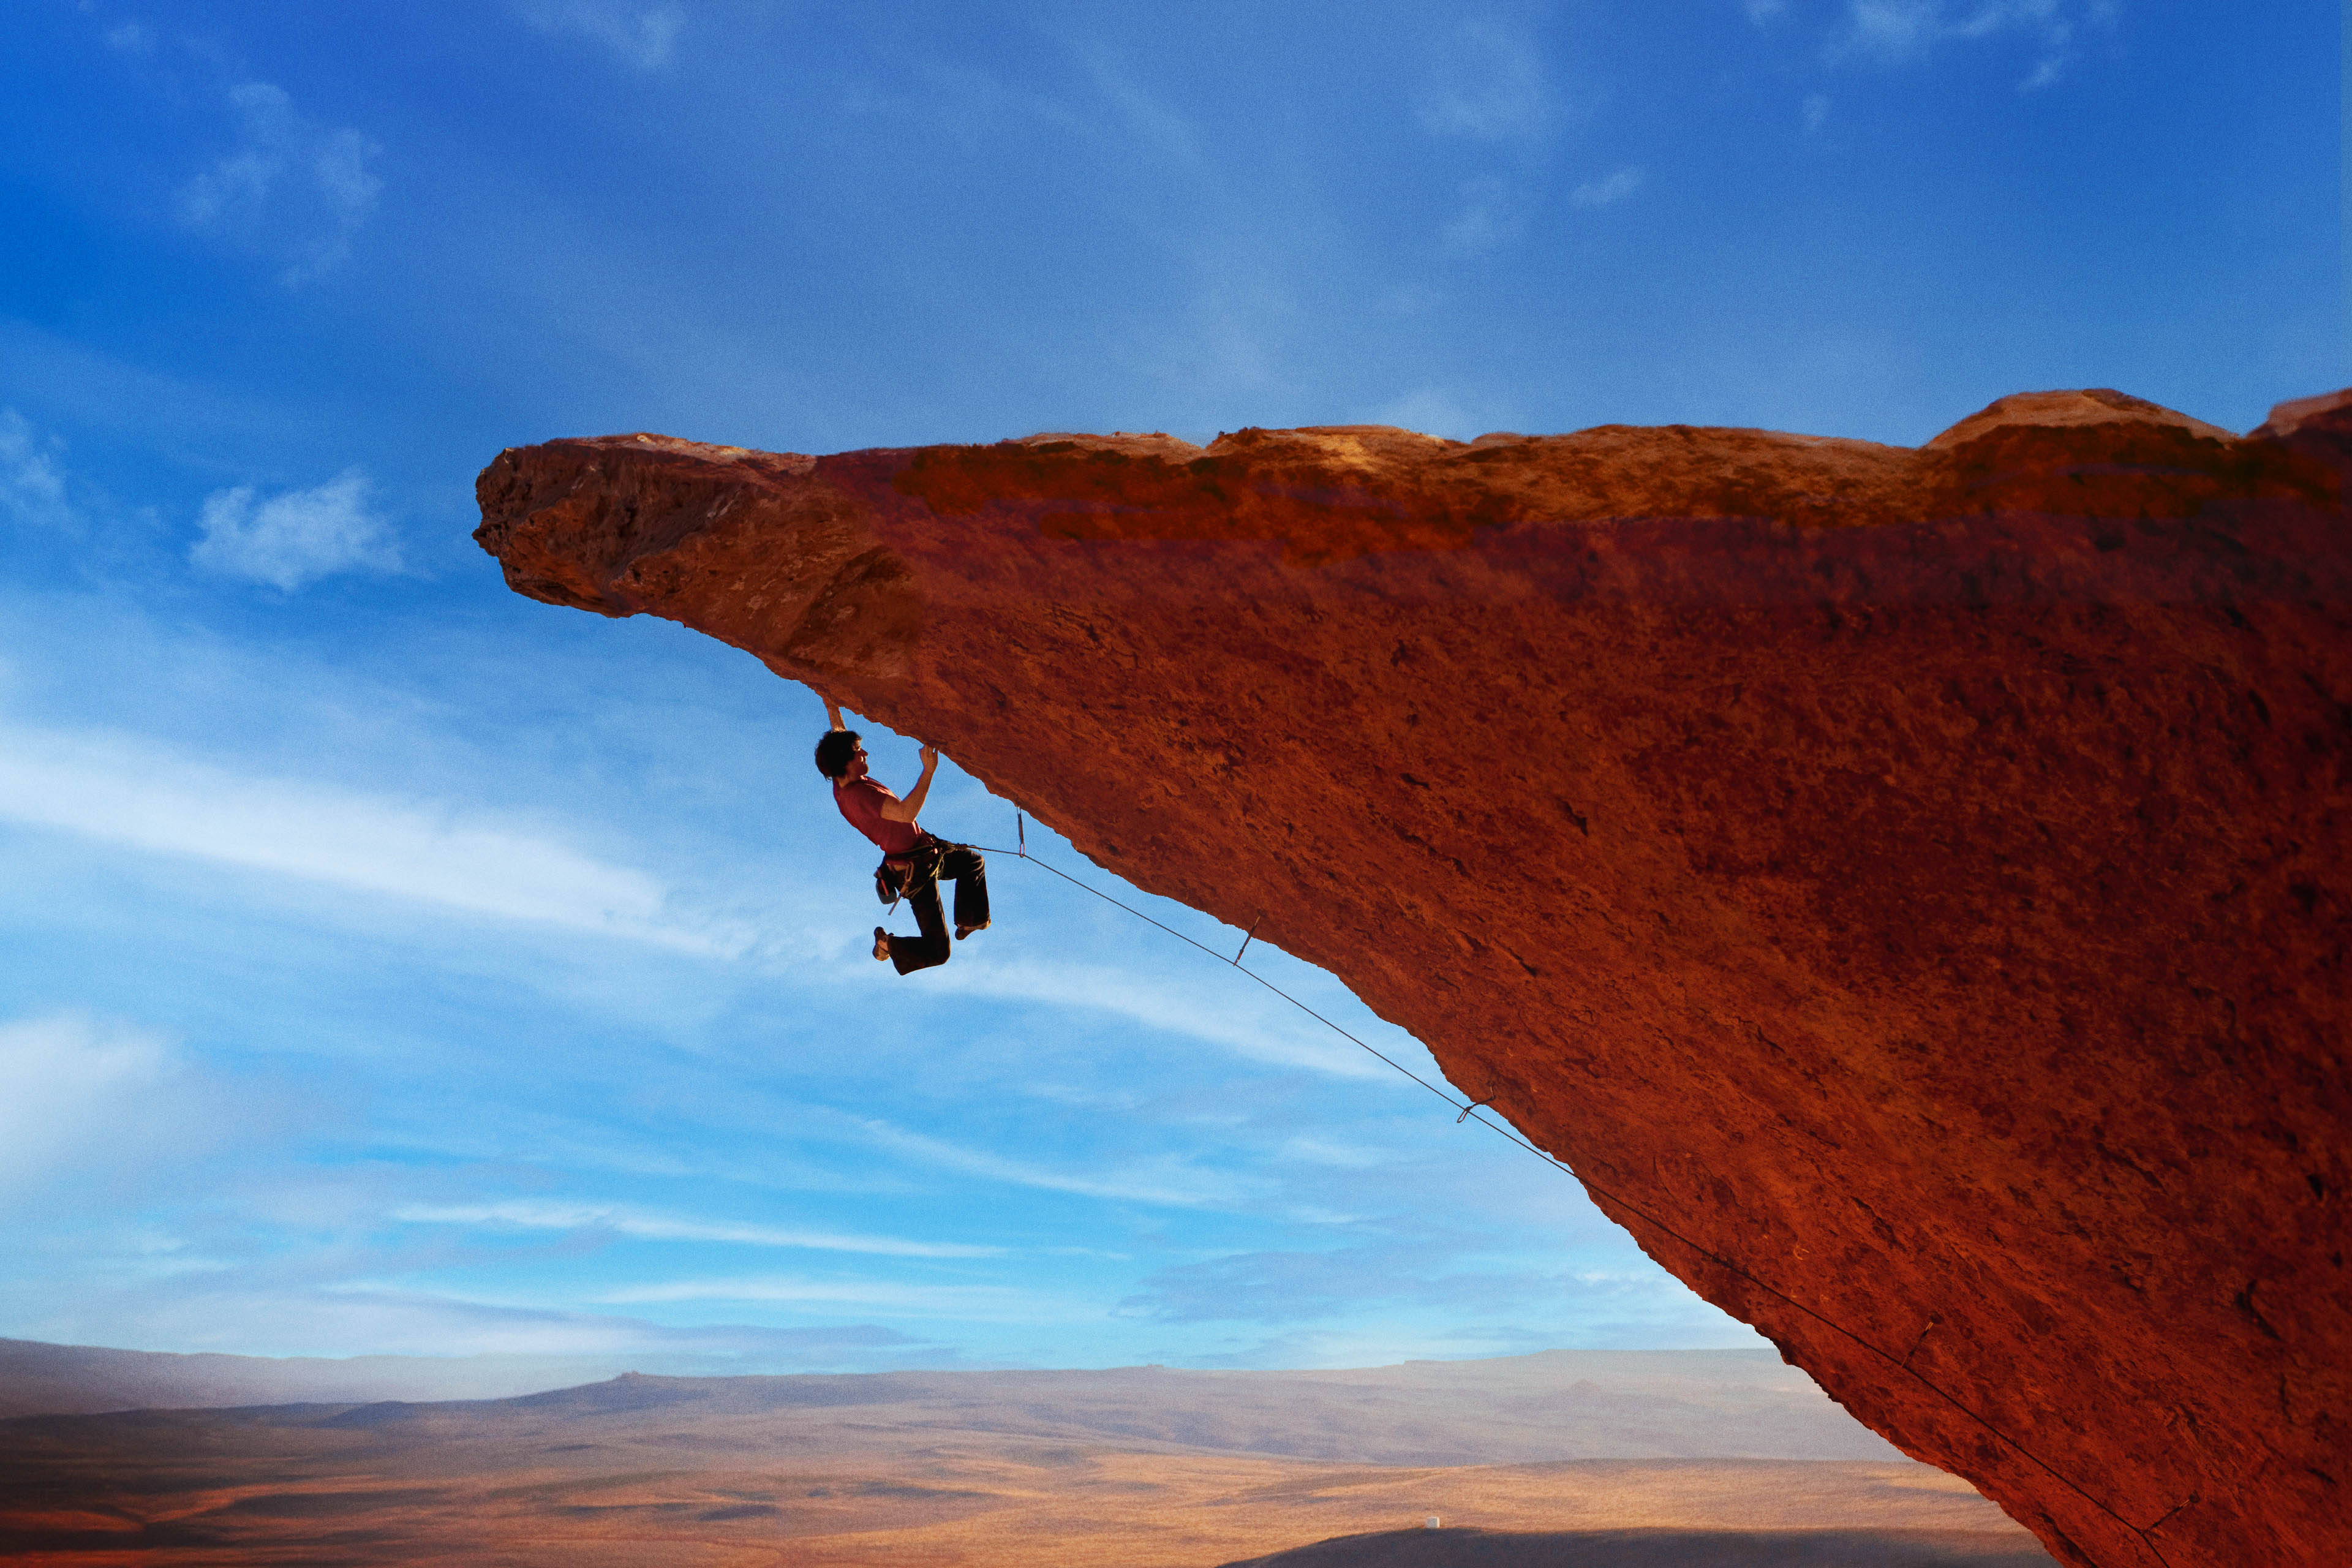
861, 802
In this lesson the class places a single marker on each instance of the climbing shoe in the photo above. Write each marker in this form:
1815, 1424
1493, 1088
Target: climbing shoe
881, 943
963, 931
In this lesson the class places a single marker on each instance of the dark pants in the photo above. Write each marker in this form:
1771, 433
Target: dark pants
969, 872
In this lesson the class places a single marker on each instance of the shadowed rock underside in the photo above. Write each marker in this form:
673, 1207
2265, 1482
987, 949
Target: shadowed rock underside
1908, 886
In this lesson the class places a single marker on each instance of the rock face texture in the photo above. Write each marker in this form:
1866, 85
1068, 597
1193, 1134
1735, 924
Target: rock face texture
1908, 887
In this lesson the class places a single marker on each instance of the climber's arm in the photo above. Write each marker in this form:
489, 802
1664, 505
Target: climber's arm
905, 810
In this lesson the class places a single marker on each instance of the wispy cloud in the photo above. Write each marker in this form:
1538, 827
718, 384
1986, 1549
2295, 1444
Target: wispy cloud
124, 791
1276, 1287
640, 36
1323, 1152
69, 1080
1601, 192
2046, 71
1894, 27
1488, 221
1148, 118
296, 1318
1173, 1009
536, 1215
1284, 1287
292, 187
881, 1296
32, 482
1170, 1184
1487, 82
295, 537
1894, 30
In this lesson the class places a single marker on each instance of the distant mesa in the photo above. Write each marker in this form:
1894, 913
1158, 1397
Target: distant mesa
1906, 884
1554, 1405
43, 1379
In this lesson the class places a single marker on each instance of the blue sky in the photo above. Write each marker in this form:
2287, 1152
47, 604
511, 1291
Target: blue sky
393, 964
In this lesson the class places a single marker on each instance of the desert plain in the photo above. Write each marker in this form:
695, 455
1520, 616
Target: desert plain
1700, 1459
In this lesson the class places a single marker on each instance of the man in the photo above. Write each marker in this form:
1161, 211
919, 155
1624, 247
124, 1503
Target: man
913, 861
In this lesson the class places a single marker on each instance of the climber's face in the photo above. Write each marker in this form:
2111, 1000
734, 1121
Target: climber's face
856, 767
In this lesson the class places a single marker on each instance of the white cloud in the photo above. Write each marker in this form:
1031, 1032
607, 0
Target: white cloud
1174, 1185
1341, 1156
71, 1091
881, 1299
1152, 121
1894, 30
297, 537
1172, 1008
292, 187
641, 36
1986, 18
283, 1316
124, 791
537, 1214
1601, 192
32, 490
1764, 12
1487, 221
1487, 83
2045, 72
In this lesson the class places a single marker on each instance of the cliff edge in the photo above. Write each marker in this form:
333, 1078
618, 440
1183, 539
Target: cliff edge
1908, 886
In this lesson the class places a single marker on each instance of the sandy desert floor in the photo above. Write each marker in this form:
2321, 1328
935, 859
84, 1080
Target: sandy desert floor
216, 1488
1524, 1459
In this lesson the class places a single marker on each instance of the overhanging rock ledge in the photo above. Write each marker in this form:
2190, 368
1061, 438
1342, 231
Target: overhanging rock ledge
1909, 885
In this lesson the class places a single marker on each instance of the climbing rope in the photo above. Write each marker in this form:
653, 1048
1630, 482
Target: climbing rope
1470, 1113
1235, 961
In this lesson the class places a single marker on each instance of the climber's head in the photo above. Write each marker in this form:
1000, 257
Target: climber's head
841, 756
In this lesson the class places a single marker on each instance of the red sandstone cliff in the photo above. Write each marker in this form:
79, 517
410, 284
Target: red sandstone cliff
1908, 886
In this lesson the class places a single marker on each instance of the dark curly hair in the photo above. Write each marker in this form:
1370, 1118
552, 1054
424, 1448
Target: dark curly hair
834, 749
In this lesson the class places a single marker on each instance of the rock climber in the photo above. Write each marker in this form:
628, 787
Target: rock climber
913, 861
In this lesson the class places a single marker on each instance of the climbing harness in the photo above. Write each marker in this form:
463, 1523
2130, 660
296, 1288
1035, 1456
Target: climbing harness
1469, 1113
904, 873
